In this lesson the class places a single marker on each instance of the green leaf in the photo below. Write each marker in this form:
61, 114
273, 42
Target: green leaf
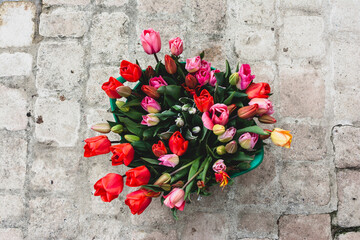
174, 213
165, 115
179, 175
186, 100
243, 166
157, 68
193, 170
134, 102
206, 167
155, 188
202, 55
141, 146
237, 67
238, 94
135, 115
228, 69
252, 129
112, 124
151, 161
169, 80
220, 78
240, 156
133, 127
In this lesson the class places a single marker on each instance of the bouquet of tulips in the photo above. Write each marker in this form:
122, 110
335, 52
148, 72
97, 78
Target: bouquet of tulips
185, 127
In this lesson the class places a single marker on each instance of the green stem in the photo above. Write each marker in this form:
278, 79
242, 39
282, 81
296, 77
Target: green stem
156, 58
192, 178
183, 167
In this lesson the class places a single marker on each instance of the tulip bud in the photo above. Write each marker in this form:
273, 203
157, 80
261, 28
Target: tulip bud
185, 107
227, 135
101, 128
196, 129
200, 184
120, 105
166, 187
164, 178
191, 81
231, 147
221, 150
178, 184
248, 111
281, 137
149, 72
263, 137
231, 108
117, 129
170, 65
150, 91
234, 79
267, 119
124, 91
192, 111
131, 138
218, 129
179, 122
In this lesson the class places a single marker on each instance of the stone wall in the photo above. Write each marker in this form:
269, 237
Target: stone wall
54, 54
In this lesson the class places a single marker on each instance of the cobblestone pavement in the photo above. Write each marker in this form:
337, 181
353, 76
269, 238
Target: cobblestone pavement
54, 54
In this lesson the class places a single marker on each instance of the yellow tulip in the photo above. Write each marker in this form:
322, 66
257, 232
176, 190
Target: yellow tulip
281, 137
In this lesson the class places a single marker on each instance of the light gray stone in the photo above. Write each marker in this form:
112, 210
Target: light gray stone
349, 198
11, 234
349, 236
62, 22
16, 24
112, 3
65, 132
208, 16
145, 235
15, 64
13, 109
345, 15
297, 40
109, 37
60, 68
304, 5
66, 2
257, 223
347, 150
346, 102
305, 227
11, 206
156, 8
13, 151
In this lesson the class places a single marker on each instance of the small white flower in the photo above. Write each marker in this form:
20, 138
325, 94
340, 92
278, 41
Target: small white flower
185, 107
196, 129
179, 122
192, 110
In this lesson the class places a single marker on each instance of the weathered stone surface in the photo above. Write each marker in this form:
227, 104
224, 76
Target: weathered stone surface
103, 227
16, 24
154, 215
304, 184
308, 142
252, 12
60, 67
53, 218
348, 214
347, 150
94, 116
257, 223
65, 132
66, 2
210, 226
153, 235
154, 7
62, 22
109, 37
297, 81
259, 186
264, 72
11, 206
13, 109
304, 5
297, 40
345, 15
16, 64
349, 236
112, 3
55, 170
346, 101
12, 163
11, 234
98, 75
208, 16
314, 227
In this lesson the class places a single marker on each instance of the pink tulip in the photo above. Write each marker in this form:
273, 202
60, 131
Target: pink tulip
219, 166
217, 114
245, 77
206, 65
157, 82
150, 41
227, 135
264, 106
175, 199
150, 105
176, 46
193, 64
202, 76
169, 160
213, 80
150, 120
248, 140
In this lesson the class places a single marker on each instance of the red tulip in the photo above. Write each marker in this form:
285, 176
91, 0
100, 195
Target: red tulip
123, 154
97, 146
149, 72
150, 91
170, 65
138, 201
159, 149
177, 144
109, 187
258, 90
204, 101
191, 81
248, 111
129, 71
137, 176
110, 87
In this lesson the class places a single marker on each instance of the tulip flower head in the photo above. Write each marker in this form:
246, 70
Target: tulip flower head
109, 187
175, 199
150, 41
